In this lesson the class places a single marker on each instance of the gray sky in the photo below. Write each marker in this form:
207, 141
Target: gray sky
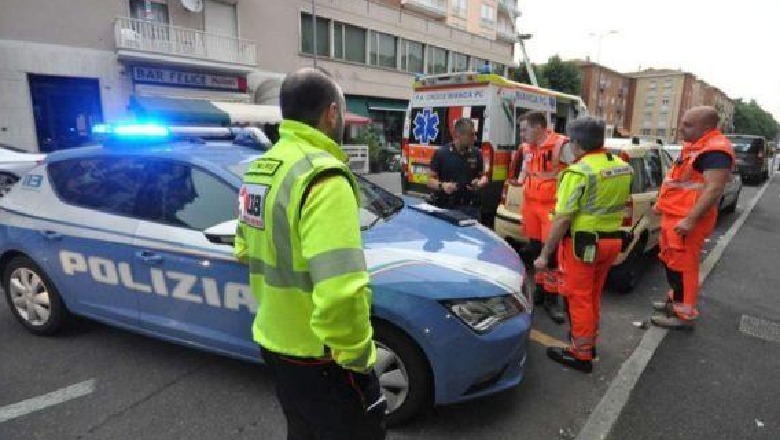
730, 45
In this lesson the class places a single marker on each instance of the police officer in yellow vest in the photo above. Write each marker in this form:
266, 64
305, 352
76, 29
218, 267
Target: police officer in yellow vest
299, 232
591, 198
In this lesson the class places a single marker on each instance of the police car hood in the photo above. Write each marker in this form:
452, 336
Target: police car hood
437, 259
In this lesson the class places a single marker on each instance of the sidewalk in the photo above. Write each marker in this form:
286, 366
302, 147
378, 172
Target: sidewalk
721, 381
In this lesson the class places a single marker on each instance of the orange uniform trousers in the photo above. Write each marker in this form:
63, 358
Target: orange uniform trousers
536, 226
680, 256
581, 286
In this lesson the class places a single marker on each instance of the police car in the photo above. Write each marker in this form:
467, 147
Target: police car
135, 232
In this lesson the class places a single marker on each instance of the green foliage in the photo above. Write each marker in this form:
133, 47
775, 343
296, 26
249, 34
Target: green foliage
369, 135
750, 118
556, 74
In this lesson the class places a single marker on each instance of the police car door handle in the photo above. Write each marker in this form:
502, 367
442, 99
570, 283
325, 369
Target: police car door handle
51, 235
149, 257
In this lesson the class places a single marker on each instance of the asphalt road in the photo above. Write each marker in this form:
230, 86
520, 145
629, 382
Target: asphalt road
145, 388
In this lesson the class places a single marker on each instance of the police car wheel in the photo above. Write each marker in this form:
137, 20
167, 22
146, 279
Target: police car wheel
32, 297
404, 374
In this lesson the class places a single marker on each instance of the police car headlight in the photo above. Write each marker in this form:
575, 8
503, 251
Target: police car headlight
483, 314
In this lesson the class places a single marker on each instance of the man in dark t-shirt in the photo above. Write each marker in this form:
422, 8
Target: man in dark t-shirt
457, 171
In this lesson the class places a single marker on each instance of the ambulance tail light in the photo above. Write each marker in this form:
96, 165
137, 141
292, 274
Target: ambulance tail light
487, 159
628, 217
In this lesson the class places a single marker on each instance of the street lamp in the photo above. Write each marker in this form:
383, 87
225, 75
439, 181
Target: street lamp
601, 36
528, 67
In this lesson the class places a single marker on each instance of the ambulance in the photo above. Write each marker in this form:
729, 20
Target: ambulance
495, 105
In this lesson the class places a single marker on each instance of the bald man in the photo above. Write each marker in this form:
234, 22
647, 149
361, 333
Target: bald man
688, 203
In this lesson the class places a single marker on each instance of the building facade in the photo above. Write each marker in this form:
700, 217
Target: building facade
606, 94
65, 66
661, 98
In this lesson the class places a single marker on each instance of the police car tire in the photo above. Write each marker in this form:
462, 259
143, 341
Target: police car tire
58, 314
420, 392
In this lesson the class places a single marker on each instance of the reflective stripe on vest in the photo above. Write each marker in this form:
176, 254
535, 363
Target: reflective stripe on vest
321, 267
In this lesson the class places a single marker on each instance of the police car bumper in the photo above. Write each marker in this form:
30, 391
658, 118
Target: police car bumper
483, 364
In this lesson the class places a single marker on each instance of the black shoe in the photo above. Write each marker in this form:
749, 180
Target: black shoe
564, 357
552, 305
672, 322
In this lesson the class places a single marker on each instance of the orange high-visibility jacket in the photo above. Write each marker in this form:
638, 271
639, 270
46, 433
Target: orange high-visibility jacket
683, 185
543, 168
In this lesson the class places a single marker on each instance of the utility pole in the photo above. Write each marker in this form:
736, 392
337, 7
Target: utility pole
599, 112
528, 67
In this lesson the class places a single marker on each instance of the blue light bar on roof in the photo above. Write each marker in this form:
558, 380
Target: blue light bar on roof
136, 131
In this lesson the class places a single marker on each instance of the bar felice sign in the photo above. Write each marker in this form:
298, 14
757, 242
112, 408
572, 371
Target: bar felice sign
182, 78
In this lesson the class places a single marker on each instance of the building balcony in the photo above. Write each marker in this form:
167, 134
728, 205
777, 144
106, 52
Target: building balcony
433, 8
509, 7
148, 41
506, 33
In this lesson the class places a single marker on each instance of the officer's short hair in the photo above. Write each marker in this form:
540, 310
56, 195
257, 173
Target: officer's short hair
536, 119
464, 125
587, 132
306, 94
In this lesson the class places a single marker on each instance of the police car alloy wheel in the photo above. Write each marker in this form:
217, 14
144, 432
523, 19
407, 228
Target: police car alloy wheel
404, 374
32, 297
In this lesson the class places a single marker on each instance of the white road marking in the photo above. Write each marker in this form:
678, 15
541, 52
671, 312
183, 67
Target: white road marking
62, 395
606, 413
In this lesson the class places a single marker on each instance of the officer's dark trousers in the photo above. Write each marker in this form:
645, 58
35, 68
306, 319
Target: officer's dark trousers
323, 401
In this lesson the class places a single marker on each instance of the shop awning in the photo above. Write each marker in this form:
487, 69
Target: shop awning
203, 112
353, 119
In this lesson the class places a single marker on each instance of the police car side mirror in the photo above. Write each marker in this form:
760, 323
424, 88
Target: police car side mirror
223, 233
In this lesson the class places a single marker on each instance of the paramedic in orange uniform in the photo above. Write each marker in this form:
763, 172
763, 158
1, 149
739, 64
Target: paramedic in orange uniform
688, 204
540, 170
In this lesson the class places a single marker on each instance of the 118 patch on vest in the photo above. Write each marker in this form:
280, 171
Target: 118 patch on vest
251, 204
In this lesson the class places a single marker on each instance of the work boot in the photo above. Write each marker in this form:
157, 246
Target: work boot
665, 306
564, 357
552, 305
672, 322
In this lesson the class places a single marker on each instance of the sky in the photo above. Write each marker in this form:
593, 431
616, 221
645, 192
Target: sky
734, 46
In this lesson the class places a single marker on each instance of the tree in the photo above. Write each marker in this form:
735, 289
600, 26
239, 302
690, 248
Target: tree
556, 74
750, 118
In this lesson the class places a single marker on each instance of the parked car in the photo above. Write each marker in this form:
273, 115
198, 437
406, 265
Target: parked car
754, 157
13, 163
131, 233
650, 165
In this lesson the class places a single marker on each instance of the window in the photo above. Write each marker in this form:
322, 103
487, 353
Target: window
488, 14
661, 121
498, 68
638, 179
384, 50
307, 35
157, 12
668, 84
437, 60
180, 195
665, 101
412, 56
103, 184
479, 63
652, 85
661, 132
220, 18
460, 8
653, 168
646, 132
349, 43
460, 62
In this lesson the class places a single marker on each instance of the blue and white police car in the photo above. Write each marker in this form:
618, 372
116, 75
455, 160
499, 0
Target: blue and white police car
132, 232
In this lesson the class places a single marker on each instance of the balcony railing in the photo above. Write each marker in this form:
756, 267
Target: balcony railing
161, 38
506, 33
436, 8
508, 6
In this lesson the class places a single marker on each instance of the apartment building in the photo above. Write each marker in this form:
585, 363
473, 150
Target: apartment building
606, 94
661, 98
65, 66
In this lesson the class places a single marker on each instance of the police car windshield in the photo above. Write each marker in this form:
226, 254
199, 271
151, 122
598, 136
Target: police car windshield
375, 203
